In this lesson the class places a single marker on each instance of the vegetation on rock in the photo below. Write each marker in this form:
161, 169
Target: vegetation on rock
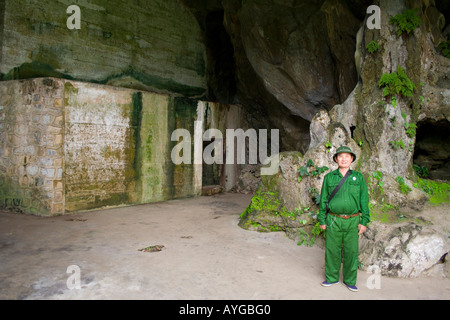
444, 47
406, 22
439, 191
396, 83
372, 47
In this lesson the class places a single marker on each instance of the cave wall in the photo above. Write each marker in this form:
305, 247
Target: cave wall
152, 45
301, 50
376, 126
292, 58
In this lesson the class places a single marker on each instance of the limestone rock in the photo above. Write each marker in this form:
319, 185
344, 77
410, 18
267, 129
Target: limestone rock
249, 179
293, 59
283, 203
376, 128
211, 190
318, 128
403, 250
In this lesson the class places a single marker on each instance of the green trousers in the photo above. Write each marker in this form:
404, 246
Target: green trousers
342, 242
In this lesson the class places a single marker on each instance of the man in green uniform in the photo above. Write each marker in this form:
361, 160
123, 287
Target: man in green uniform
346, 219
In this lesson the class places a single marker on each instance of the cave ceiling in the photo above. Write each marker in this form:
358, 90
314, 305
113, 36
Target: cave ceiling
289, 59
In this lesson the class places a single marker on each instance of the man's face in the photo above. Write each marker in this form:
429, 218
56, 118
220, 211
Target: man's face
344, 160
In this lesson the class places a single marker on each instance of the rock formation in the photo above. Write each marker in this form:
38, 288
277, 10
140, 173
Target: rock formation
382, 127
292, 58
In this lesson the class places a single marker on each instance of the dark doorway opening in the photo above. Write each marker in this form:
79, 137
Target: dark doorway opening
221, 63
210, 172
432, 149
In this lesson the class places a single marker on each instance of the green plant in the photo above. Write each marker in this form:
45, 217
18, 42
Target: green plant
291, 214
421, 171
438, 191
360, 265
421, 102
316, 231
305, 170
304, 237
385, 213
406, 22
396, 83
319, 170
380, 210
404, 115
310, 239
394, 102
397, 144
378, 176
402, 185
410, 129
316, 195
444, 47
267, 201
372, 47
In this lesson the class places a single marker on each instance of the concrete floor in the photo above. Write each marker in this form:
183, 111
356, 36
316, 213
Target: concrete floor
205, 256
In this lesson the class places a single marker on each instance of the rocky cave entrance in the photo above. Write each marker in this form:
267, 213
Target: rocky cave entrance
432, 149
222, 85
221, 65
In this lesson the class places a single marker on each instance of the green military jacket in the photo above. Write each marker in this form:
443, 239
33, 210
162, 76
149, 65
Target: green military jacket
351, 198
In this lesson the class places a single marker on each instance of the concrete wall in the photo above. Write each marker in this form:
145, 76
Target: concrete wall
32, 145
99, 146
153, 45
67, 146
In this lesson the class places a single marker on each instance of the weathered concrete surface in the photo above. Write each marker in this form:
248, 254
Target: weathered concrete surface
31, 145
205, 256
67, 145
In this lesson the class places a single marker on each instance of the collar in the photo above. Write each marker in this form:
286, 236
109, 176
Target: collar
337, 172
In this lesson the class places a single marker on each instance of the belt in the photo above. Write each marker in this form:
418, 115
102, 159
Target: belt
343, 216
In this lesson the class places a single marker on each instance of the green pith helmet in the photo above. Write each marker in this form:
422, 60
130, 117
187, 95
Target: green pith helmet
343, 149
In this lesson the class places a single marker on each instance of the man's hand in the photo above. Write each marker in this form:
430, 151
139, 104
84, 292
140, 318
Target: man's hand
361, 229
323, 227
